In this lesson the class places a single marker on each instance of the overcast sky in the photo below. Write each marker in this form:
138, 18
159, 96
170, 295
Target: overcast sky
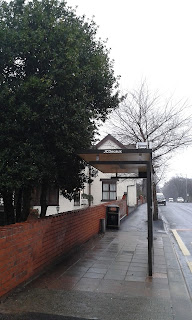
149, 39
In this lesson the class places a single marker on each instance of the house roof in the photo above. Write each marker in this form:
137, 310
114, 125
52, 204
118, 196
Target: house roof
109, 137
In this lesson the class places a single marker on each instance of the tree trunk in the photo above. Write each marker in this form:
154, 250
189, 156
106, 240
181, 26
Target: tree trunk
155, 204
18, 204
89, 198
26, 203
8, 207
43, 199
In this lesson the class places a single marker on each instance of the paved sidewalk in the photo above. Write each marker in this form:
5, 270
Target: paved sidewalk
107, 279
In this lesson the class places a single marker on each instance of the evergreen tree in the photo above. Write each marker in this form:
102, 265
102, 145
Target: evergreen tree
56, 81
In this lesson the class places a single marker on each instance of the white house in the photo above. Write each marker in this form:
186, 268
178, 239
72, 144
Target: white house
104, 187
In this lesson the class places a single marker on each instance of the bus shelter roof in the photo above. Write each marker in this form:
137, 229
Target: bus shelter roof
118, 160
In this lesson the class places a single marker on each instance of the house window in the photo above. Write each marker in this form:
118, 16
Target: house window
108, 190
77, 198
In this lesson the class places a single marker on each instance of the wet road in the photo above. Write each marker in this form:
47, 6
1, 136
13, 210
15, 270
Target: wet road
178, 222
178, 215
36, 316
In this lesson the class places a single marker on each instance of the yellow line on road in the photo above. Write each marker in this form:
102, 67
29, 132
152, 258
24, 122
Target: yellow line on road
189, 265
181, 244
184, 229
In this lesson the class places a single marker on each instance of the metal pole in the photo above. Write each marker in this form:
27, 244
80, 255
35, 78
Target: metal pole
150, 220
186, 189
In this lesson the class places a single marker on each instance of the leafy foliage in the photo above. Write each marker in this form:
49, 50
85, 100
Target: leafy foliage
56, 81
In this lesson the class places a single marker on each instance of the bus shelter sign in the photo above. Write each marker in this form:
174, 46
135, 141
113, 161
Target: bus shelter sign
113, 151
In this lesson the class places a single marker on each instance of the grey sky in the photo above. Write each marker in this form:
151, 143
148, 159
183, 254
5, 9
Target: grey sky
149, 39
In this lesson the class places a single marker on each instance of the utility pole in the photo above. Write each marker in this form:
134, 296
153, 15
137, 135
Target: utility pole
186, 190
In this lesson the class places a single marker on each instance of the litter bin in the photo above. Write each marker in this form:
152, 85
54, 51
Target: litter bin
112, 216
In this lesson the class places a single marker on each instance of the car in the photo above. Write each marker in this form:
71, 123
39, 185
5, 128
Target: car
170, 199
161, 199
180, 199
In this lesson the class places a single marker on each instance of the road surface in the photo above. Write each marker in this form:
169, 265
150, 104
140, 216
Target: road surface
178, 221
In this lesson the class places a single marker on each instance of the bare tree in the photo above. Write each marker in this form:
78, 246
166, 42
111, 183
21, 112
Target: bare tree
144, 117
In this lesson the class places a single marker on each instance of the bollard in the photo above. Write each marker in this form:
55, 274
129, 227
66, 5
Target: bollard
102, 225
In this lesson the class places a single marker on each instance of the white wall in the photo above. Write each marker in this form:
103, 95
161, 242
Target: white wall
122, 185
64, 205
125, 185
109, 145
132, 194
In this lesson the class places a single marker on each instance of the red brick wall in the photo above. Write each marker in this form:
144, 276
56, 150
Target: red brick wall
26, 248
123, 209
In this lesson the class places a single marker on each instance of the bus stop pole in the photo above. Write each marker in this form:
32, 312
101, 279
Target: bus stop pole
150, 219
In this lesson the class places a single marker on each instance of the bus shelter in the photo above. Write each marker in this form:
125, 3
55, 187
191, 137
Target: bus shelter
127, 161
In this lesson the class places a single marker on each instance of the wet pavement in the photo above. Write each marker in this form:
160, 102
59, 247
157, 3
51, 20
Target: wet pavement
107, 279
